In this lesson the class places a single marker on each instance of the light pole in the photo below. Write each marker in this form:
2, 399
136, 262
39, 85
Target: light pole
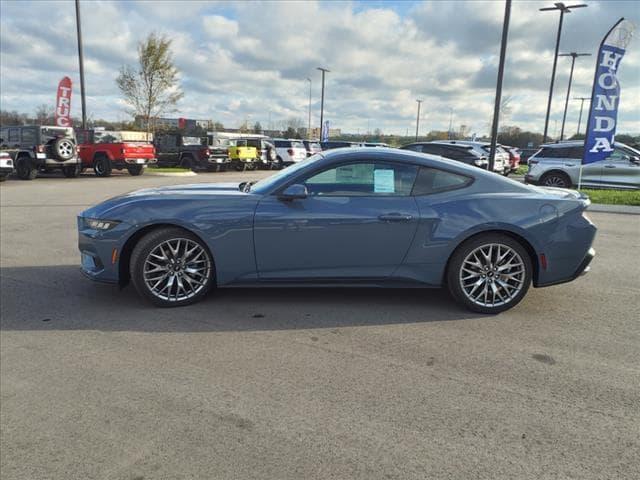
496, 107
563, 9
573, 56
309, 125
418, 119
450, 123
582, 99
323, 70
81, 61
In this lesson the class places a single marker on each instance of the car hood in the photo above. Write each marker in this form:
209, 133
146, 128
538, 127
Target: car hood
170, 192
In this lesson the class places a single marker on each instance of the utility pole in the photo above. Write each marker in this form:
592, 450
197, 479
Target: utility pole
309, 125
418, 119
582, 99
450, 123
563, 9
573, 56
323, 70
81, 61
496, 107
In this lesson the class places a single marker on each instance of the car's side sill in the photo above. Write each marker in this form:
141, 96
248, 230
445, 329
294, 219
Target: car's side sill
331, 282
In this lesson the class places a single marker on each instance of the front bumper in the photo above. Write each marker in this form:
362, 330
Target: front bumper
6, 170
100, 251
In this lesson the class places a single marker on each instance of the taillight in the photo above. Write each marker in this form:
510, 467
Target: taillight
38, 149
290, 151
123, 150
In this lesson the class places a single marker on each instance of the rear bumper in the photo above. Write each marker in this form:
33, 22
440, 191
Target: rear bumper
582, 269
140, 161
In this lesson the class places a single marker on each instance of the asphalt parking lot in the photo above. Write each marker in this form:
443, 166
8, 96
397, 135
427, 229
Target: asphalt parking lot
302, 384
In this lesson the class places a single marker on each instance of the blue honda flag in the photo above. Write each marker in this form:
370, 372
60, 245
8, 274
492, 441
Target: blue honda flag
605, 95
325, 132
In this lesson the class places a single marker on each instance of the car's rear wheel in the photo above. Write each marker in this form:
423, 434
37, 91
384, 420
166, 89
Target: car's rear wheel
555, 179
171, 267
71, 171
187, 162
102, 166
490, 273
135, 170
25, 170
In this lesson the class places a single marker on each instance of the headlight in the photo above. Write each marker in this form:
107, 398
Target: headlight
97, 224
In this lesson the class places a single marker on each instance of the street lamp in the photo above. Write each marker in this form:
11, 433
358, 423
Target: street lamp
496, 107
418, 119
573, 56
563, 9
582, 99
81, 61
323, 70
309, 125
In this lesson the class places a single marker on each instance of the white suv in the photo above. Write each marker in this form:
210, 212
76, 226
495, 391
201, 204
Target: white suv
6, 166
501, 163
289, 151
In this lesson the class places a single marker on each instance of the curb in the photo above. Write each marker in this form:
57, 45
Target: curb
170, 174
624, 209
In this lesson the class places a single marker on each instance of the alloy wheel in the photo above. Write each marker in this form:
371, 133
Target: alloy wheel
555, 181
492, 275
177, 269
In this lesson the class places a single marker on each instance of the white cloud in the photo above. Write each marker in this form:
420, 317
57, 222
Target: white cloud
250, 60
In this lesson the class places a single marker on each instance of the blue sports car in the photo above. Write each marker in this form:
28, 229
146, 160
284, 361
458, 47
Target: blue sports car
355, 216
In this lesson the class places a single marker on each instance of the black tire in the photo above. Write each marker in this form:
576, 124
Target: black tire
3, 178
455, 272
71, 171
239, 166
63, 148
187, 162
555, 179
135, 170
102, 166
271, 155
143, 250
25, 170
278, 164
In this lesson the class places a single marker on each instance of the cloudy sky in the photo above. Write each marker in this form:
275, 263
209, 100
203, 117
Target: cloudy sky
250, 60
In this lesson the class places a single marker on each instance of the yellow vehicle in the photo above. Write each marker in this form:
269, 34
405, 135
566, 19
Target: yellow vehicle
242, 156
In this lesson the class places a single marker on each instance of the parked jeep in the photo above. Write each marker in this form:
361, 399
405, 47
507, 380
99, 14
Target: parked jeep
104, 150
36, 148
242, 155
175, 149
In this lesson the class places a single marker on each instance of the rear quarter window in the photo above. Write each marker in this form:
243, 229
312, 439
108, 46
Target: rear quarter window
282, 143
433, 180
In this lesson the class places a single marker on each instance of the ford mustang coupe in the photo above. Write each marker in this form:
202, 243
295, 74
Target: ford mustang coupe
355, 216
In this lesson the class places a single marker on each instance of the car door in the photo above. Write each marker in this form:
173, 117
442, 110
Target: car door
619, 171
357, 222
167, 151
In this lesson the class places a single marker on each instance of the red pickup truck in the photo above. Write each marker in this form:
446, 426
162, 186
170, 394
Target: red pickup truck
105, 150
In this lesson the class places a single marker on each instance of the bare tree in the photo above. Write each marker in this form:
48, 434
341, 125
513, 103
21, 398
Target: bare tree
44, 115
153, 88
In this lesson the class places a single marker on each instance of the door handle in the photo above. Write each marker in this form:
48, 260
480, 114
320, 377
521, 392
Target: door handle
609, 166
395, 217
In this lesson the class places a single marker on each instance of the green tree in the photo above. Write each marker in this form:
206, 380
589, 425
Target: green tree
257, 128
153, 88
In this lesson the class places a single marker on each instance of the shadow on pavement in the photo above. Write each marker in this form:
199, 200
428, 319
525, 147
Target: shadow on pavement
60, 298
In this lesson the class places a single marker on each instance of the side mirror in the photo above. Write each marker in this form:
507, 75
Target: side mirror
635, 159
294, 192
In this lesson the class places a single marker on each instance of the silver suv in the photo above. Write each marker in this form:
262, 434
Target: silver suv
35, 148
558, 165
501, 162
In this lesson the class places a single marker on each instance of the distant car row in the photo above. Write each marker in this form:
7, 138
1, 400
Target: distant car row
33, 149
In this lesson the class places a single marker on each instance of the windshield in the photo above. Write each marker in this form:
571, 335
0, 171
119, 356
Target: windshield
191, 141
266, 184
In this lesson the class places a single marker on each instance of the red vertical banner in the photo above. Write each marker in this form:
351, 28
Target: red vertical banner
63, 103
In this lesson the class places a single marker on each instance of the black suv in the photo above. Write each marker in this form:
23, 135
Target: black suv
460, 153
176, 149
36, 148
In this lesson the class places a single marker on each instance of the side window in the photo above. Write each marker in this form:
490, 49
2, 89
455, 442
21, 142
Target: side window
454, 153
14, 135
433, 180
576, 152
619, 155
363, 179
29, 136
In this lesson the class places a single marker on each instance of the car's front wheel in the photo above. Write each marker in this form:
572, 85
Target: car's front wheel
555, 179
489, 273
171, 267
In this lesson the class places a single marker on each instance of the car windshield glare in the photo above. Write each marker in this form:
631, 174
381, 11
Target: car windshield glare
264, 185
